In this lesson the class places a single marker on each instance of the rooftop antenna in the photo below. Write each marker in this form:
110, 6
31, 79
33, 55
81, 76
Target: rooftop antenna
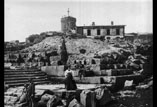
68, 11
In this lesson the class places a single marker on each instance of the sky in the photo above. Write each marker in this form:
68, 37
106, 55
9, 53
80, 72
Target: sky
27, 17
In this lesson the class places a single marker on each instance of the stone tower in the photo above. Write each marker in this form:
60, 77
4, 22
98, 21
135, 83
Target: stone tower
68, 23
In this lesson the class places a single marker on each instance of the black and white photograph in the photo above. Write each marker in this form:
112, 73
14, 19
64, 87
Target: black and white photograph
78, 53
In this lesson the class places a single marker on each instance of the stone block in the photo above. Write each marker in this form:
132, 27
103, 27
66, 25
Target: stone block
109, 79
124, 71
103, 73
103, 96
96, 69
87, 98
88, 80
111, 72
120, 80
54, 70
75, 103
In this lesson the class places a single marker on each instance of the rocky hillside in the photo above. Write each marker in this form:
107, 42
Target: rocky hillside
74, 46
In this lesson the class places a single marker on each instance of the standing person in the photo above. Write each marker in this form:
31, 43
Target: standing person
68, 71
69, 81
85, 62
30, 92
81, 71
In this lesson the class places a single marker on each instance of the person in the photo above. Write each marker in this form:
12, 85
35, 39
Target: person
85, 62
27, 95
68, 71
31, 92
70, 83
81, 71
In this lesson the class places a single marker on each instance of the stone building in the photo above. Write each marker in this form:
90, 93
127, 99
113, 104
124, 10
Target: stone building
109, 31
68, 24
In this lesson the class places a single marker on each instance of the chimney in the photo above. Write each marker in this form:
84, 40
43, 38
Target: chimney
93, 23
112, 23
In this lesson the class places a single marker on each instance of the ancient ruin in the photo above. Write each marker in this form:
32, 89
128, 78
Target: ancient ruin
106, 71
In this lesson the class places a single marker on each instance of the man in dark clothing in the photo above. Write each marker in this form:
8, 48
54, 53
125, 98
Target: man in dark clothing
30, 92
81, 71
85, 62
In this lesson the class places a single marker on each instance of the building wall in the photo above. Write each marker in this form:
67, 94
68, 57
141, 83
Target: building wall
68, 23
112, 32
93, 32
85, 32
103, 32
121, 31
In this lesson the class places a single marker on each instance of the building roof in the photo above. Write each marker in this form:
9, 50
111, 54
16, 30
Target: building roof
68, 17
101, 26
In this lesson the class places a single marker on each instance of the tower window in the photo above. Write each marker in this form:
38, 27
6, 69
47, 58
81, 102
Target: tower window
88, 32
108, 31
117, 32
98, 31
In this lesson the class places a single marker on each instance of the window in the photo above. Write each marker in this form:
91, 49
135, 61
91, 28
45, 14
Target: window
108, 31
117, 32
98, 31
88, 32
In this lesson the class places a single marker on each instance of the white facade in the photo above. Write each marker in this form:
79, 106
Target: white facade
103, 32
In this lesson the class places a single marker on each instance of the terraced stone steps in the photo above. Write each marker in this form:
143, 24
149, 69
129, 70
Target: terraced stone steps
23, 77
20, 77
21, 84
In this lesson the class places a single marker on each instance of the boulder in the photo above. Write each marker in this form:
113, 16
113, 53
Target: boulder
111, 72
103, 96
75, 103
87, 98
54, 101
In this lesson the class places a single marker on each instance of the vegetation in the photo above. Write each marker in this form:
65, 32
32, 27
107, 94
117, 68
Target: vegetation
64, 54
